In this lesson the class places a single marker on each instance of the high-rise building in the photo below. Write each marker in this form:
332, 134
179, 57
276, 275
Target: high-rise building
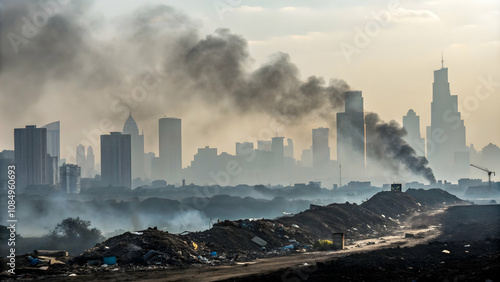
306, 158
116, 168
30, 154
89, 163
137, 140
52, 170
80, 156
147, 164
351, 136
170, 140
278, 151
411, 123
446, 149
204, 162
6, 160
53, 138
320, 148
70, 175
289, 148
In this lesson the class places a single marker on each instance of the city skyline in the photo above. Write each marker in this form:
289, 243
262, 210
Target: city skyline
406, 80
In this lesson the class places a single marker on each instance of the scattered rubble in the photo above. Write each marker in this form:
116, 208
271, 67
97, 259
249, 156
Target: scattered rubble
230, 242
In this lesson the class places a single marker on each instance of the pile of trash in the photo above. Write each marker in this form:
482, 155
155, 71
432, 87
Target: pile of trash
435, 197
355, 221
146, 247
393, 204
241, 240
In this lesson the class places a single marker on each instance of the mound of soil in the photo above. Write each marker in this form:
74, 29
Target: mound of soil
393, 204
354, 221
233, 240
474, 222
145, 247
435, 197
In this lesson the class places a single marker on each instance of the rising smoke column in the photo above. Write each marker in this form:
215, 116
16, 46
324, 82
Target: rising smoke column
68, 62
385, 143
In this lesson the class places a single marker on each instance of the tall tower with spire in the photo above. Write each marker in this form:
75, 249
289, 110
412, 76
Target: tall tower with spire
137, 147
446, 149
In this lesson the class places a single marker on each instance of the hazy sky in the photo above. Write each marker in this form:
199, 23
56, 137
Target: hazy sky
393, 65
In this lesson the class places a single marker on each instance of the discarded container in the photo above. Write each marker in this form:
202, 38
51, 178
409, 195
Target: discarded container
213, 254
34, 261
289, 247
396, 187
109, 260
338, 241
259, 241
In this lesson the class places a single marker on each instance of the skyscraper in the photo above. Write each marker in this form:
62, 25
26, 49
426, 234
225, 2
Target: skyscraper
89, 163
411, 122
446, 149
204, 162
289, 148
70, 178
6, 159
116, 160
53, 138
147, 164
137, 140
320, 148
30, 154
278, 151
80, 156
351, 136
170, 141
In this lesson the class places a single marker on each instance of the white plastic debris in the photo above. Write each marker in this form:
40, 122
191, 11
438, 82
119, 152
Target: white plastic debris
446, 251
72, 275
295, 225
466, 246
383, 216
136, 233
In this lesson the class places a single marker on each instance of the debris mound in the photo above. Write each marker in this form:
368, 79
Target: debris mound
393, 204
434, 197
144, 247
473, 222
353, 220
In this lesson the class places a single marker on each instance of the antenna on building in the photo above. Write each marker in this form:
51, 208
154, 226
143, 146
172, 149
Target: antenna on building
442, 60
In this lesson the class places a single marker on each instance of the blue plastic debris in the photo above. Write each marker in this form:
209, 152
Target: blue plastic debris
109, 260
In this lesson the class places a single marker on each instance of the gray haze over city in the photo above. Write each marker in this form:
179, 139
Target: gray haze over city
212, 110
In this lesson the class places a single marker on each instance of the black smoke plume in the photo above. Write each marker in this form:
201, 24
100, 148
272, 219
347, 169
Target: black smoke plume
70, 64
385, 143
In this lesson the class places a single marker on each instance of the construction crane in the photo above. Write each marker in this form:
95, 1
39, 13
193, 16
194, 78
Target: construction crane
487, 171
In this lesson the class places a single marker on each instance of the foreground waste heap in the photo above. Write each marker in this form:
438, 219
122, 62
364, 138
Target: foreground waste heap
243, 240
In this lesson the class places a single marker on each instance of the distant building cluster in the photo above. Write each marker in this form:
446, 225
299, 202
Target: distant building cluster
125, 164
